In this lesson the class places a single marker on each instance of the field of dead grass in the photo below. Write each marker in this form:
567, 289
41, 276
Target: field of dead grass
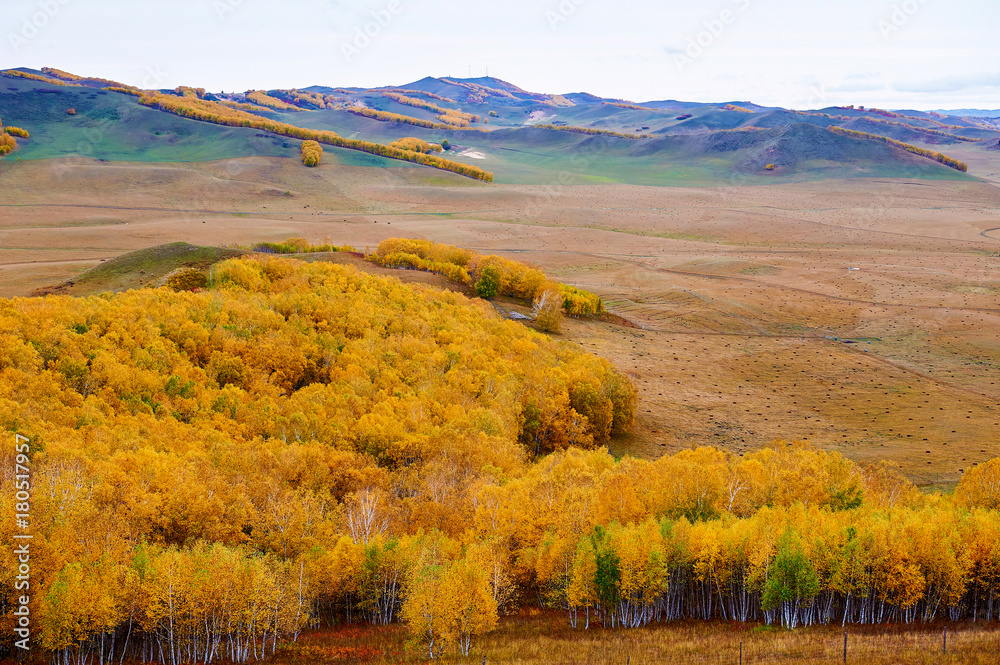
863, 315
535, 637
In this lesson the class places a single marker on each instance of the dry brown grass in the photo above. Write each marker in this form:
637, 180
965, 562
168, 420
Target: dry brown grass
536, 637
739, 291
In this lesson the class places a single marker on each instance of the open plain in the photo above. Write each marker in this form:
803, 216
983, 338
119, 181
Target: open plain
859, 314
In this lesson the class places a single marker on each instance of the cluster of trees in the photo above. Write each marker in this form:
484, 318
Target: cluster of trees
923, 152
312, 153
312, 100
261, 98
215, 470
209, 111
187, 91
734, 107
7, 141
414, 144
491, 275
595, 132
298, 246
453, 117
386, 116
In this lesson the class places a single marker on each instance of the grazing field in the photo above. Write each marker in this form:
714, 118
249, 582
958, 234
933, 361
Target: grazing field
860, 314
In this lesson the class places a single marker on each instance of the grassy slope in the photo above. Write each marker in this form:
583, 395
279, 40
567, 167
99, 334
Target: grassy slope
142, 267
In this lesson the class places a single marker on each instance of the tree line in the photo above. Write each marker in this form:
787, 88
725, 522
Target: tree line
387, 116
454, 117
513, 278
214, 112
593, 132
923, 152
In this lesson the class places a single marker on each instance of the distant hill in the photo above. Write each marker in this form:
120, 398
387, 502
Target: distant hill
520, 136
975, 113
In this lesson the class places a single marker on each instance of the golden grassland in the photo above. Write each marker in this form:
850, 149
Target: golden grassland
755, 279
545, 637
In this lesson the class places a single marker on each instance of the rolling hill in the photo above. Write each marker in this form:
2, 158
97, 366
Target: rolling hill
522, 137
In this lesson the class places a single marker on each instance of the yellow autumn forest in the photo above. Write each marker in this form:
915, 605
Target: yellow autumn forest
298, 444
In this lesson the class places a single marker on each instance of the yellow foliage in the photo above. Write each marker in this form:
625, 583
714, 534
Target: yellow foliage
312, 153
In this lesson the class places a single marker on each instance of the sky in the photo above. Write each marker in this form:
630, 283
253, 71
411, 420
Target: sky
903, 54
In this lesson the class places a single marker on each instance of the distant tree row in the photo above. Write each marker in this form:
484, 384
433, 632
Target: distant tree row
208, 111
448, 116
923, 152
922, 130
73, 78
734, 107
386, 116
592, 131
429, 95
14, 73
634, 107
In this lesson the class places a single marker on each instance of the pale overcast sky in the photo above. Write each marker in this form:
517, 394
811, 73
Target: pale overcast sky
796, 53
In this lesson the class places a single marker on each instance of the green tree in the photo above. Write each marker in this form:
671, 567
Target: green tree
489, 283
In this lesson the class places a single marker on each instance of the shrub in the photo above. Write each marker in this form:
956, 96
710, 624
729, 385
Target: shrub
312, 153
185, 279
